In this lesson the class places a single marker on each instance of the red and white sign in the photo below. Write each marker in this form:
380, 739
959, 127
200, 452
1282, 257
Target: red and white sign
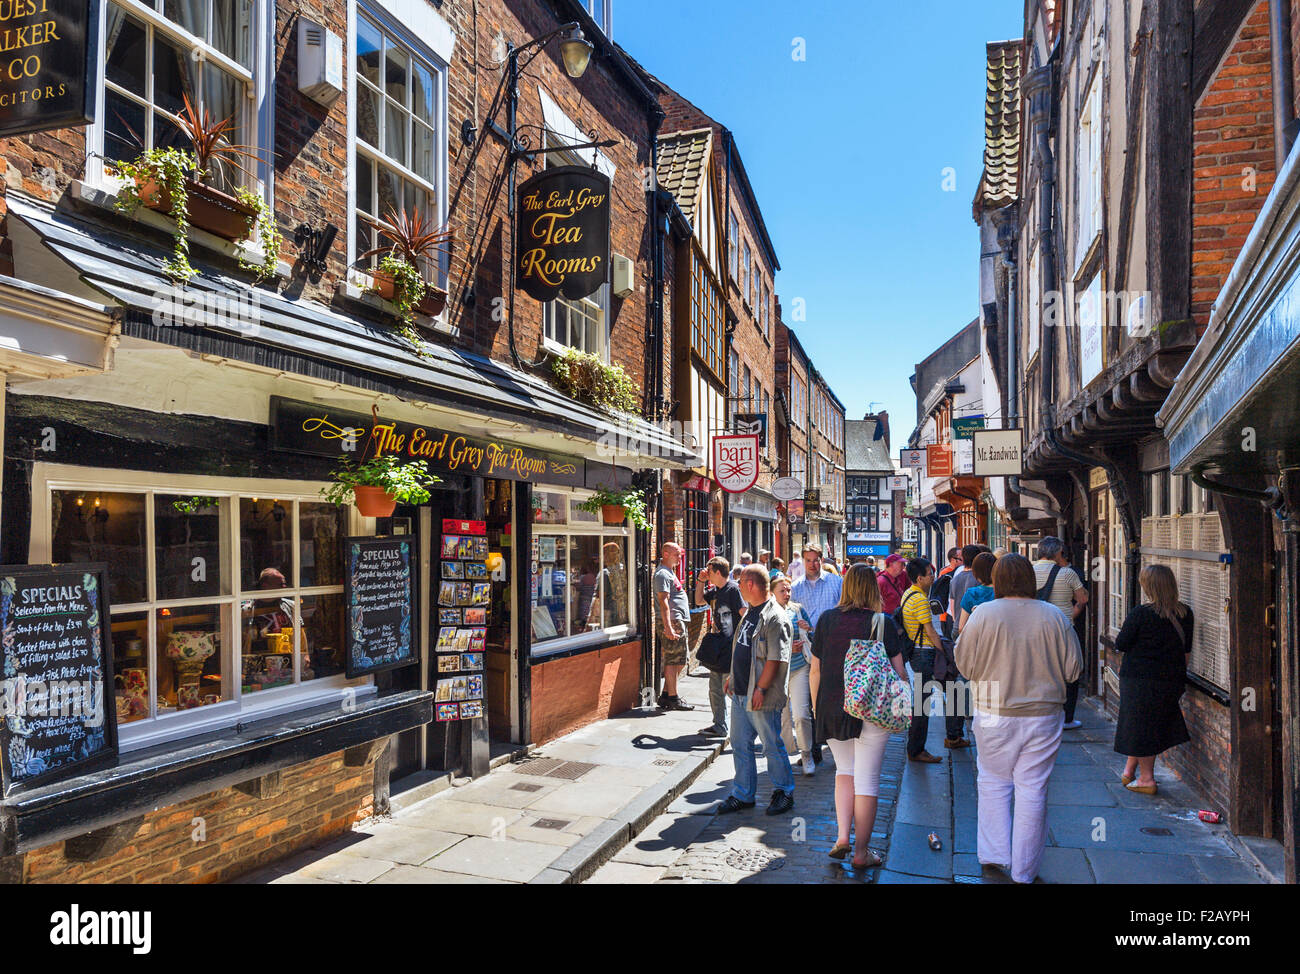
938, 460
897, 483
914, 459
735, 461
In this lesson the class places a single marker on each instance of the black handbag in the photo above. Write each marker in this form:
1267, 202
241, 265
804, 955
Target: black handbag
714, 653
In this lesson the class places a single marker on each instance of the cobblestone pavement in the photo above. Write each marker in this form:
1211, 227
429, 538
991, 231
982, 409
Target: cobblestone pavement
1098, 831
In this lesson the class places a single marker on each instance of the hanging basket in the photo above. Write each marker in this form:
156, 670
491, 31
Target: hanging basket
613, 514
374, 501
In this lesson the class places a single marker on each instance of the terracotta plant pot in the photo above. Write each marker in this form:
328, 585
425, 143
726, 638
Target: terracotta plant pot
613, 513
374, 501
209, 209
384, 284
434, 300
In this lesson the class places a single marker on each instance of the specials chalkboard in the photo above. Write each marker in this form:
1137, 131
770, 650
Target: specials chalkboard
56, 659
379, 590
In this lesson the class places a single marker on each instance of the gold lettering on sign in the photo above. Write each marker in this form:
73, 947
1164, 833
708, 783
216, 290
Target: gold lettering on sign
19, 38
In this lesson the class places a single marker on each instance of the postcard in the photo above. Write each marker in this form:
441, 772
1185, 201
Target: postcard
450, 664
448, 711
459, 687
479, 549
482, 593
449, 617
475, 569
452, 569
477, 639
450, 546
462, 640
476, 617
473, 708
446, 638
474, 687
465, 549
447, 592
464, 593
444, 691
471, 661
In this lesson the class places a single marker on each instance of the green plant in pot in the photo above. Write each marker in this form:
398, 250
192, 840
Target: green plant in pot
378, 485
181, 182
615, 505
585, 377
410, 238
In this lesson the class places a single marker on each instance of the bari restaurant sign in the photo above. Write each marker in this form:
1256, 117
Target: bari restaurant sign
735, 461
562, 242
47, 52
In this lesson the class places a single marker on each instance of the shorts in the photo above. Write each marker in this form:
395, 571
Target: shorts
674, 649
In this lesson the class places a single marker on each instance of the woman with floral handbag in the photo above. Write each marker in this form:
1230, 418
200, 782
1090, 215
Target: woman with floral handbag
856, 631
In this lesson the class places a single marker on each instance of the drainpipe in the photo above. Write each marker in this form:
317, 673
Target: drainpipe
1284, 121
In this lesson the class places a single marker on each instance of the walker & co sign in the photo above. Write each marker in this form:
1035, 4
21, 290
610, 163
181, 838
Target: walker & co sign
562, 242
48, 50
735, 461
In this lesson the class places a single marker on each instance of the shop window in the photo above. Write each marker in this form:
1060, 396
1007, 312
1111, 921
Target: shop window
698, 543
583, 581
157, 53
216, 600
398, 154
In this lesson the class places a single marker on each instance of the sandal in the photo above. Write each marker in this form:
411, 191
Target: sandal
1124, 779
871, 863
840, 850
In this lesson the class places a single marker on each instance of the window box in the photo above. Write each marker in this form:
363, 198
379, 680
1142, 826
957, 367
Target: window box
209, 209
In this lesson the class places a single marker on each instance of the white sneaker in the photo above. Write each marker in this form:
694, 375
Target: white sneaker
1072, 725
809, 766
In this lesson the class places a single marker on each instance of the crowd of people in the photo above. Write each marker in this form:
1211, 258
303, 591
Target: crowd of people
994, 636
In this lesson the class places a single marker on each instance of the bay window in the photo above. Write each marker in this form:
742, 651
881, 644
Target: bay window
583, 578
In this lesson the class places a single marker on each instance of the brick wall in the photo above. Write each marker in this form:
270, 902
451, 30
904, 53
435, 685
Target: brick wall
1233, 158
575, 691
1203, 762
320, 799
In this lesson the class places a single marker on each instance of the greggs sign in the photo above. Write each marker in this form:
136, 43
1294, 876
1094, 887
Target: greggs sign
48, 49
562, 234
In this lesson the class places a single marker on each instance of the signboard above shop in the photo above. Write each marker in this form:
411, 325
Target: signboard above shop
787, 488
51, 51
912, 459
735, 461
964, 427
753, 423
938, 460
562, 237
999, 453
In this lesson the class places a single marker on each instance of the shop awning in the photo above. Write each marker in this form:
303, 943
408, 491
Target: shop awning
1234, 406
307, 338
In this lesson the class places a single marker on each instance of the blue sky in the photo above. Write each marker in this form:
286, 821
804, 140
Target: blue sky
846, 151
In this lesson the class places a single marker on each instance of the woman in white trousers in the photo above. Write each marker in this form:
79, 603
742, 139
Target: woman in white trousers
1020, 656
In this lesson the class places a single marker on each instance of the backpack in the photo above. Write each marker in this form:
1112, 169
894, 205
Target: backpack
908, 643
873, 690
1045, 593
942, 590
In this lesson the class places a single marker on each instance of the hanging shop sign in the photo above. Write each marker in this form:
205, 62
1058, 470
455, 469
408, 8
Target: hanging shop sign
964, 427
794, 513
48, 51
57, 661
938, 460
898, 483
912, 459
787, 488
378, 590
562, 233
753, 423
735, 461
812, 501
303, 427
999, 453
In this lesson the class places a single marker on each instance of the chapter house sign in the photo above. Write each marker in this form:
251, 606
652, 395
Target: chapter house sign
48, 51
562, 242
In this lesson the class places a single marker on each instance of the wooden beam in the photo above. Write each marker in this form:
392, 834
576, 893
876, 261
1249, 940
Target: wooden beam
1217, 24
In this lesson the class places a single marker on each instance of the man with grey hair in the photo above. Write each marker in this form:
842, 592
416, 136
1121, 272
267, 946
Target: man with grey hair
745, 559
1060, 584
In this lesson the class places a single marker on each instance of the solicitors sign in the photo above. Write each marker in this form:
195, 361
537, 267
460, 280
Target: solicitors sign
48, 51
562, 234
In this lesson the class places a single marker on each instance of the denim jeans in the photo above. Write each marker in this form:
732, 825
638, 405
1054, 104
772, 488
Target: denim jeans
767, 725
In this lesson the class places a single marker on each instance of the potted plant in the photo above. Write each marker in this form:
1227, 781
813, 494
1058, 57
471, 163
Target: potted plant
585, 377
615, 505
176, 182
409, 239
378, 485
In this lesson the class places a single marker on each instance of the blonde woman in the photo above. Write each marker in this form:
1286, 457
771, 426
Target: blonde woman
858, 745
1157, 643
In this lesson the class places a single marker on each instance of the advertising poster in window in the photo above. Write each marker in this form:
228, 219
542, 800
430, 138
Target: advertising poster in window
379, 593
51, 49
57, 662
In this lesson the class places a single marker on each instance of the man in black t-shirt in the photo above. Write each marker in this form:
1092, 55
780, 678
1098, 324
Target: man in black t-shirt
715, 586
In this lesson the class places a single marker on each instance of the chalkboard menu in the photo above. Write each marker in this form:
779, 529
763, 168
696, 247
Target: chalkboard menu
379, 591
57, 659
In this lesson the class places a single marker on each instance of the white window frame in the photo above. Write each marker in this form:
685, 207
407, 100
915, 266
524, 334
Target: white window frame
257, 119
733, 249
1034, 309
596, 528
1088, 172
745, 271
398, 31
49, 477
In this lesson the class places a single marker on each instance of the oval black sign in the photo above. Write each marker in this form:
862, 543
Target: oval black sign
562, 235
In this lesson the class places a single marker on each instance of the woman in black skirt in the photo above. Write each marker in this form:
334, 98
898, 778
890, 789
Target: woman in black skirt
1157, 643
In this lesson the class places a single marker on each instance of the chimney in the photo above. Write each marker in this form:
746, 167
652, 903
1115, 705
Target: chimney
882, 426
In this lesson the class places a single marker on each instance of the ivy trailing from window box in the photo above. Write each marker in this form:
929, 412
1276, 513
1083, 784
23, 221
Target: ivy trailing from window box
268, 233
408, 291
586, 378
166, 169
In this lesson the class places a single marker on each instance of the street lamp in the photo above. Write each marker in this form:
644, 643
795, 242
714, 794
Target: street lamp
576, 50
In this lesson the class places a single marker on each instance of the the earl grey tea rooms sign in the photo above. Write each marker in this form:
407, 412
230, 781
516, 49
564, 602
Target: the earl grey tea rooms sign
562, 243
48, 59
